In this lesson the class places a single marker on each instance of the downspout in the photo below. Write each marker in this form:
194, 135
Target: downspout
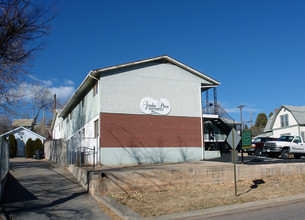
201, 126
99, 158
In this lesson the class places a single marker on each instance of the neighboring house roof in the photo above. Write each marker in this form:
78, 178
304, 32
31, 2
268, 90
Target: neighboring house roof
269, 124
23, 128
92, 77
22, 122
298, 112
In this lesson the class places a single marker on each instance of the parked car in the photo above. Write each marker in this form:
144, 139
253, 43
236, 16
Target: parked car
286, 146
258, 144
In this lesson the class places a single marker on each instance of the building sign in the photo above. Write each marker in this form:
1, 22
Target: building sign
150, 106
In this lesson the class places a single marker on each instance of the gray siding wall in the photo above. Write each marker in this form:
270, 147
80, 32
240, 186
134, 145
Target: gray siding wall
82, 115
122, 90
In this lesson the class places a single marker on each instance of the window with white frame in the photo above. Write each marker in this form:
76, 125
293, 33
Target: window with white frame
95, 89
284, 121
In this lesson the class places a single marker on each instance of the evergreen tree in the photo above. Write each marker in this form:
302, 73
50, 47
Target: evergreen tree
29, 148
37, 144
261, 121
246, 127
12, 146
271, 113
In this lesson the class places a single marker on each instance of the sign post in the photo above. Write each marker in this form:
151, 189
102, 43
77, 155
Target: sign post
233, 140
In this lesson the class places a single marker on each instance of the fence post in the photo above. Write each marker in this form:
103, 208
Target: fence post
93, 157
80, 157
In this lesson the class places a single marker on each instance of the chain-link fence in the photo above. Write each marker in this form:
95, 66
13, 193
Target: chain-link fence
82, 151
4, 163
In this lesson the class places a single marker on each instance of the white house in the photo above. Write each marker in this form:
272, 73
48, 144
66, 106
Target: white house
57, 125
288, 120
22, 135
146, 111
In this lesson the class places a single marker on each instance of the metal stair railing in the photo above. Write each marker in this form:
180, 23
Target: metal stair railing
222, 114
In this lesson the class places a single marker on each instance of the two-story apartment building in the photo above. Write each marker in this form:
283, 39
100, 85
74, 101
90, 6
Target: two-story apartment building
288, 120
146, 111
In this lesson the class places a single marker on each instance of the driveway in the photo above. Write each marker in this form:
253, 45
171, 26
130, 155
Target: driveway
45, 190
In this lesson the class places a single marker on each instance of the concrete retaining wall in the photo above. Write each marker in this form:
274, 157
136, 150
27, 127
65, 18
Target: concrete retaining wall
123, 180
55, 150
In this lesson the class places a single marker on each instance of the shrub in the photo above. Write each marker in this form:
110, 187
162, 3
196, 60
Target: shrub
12, 146
29, 148
37, 144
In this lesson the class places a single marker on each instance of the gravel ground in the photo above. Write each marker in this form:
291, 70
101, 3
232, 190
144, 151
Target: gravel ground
175, 199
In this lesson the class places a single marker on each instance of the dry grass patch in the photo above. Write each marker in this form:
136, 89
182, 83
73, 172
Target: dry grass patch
174, 199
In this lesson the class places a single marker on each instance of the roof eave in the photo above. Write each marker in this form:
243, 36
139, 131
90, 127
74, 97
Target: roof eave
96, 72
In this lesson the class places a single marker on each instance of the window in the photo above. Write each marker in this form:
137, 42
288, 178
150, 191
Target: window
95, 89
83, 132
284, 121
96, 130
83, 102
297, 140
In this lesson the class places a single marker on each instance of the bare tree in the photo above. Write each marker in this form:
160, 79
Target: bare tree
23, 26
42, 99
5, 124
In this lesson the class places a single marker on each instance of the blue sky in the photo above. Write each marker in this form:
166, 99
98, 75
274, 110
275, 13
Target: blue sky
256, 48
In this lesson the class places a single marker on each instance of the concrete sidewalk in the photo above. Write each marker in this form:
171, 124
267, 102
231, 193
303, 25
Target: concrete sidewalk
44, 190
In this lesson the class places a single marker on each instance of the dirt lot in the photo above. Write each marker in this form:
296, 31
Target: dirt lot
173, 199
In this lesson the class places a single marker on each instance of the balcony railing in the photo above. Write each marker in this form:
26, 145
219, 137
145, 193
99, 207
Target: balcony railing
222, 114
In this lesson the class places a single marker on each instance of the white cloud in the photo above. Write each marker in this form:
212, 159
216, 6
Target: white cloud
46, 83
63, 92
69, 82
27, 91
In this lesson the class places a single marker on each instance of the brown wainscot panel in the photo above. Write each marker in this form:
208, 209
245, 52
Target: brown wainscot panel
128, 130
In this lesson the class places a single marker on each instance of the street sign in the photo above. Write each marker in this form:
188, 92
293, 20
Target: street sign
246, 138
236, 136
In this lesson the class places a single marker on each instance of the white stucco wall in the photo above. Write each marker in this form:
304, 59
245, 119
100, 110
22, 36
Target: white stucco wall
122, 90
81, 116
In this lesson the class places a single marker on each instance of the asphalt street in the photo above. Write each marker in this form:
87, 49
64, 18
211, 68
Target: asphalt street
44, 190
288, 211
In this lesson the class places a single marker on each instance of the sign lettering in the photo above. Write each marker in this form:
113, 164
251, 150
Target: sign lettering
150, 106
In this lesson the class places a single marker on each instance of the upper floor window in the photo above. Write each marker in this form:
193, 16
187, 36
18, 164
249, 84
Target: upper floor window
83, 102
95, 89
284, 121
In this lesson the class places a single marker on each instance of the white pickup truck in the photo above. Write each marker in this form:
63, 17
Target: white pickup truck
285, 146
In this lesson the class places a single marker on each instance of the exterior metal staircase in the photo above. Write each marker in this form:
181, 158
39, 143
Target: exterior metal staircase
224, 122
221, 125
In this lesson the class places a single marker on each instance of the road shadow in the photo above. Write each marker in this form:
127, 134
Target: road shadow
15, 192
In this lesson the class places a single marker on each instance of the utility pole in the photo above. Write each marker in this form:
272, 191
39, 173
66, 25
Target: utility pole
241, 129
241, 116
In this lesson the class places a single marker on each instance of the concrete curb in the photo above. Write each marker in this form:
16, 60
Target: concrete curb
125, 213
